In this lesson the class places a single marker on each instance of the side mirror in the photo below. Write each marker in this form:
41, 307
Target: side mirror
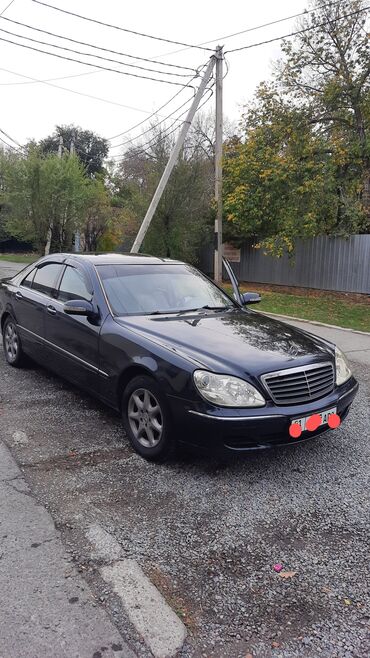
251, 298
79, 307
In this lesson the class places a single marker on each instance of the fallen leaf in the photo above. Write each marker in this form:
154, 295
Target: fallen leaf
275, 645
347, 601
248, 655
287, 574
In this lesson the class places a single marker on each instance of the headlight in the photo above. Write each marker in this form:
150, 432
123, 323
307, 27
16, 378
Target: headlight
342, 367
227, 391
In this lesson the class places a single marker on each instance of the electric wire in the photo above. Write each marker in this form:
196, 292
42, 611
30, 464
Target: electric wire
156, 112
302, 31
96, 66
100, 57
115, 146
182, 114
157, 140
117, 27
91, 45
7, 7
9, 137
36, 80
256, 27
270, 23
79, 93
168, 131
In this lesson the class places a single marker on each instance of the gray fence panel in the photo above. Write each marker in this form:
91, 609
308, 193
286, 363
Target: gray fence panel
326, 263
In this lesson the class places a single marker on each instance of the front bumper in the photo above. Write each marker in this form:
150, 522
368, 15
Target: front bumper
240, 430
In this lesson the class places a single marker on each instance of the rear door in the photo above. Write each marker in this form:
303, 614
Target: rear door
30, 300
72, 341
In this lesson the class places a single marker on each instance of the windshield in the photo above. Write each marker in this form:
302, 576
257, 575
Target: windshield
145, 289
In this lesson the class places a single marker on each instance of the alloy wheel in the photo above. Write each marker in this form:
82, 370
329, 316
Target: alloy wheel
11, 342
145, 417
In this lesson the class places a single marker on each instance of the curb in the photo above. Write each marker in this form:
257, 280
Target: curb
319, 324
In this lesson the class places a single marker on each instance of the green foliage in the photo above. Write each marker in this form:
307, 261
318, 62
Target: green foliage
182, 220
89, 147
301, 165
45, 193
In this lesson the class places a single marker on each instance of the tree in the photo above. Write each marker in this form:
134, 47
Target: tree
301, 164
89, 147
45, 195
182, 219
97, 213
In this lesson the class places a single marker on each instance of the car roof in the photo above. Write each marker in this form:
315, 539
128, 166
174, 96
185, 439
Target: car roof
112, 259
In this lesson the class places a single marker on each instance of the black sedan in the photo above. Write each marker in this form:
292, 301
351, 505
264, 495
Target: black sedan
180, 360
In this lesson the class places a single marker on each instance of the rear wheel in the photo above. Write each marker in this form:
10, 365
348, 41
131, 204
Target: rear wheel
12, 344
147, 419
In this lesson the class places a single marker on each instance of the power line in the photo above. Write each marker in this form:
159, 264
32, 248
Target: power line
304, 30
155, 113
256, 27
96, 66
116, 27
9, 137
128, 141
7, 7
168, 132
90, 45
80, 93
275, 22
35, 80
9, 145
106, 59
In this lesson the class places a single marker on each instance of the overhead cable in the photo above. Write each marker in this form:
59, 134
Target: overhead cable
302, 31
74, 91
117, 27
106, 59
91, 45
96, 66
156, 112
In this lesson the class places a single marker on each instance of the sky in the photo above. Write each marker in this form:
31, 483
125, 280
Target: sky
31, 110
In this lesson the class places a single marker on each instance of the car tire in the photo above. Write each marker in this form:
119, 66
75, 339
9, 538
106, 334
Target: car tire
147, 419
12, 344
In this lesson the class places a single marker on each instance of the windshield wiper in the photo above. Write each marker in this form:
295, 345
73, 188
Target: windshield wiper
190, 310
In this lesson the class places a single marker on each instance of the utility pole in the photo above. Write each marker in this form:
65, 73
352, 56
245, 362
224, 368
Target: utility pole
218, 166
173, 159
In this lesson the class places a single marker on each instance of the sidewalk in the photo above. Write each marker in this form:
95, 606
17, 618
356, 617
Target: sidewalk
46, 607
356, 346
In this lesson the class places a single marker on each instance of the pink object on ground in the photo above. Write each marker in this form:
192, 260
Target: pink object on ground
278, 567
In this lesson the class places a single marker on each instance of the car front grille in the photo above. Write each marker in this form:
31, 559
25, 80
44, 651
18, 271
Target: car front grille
296, 385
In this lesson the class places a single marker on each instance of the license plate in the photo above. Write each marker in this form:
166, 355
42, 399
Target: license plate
323, 414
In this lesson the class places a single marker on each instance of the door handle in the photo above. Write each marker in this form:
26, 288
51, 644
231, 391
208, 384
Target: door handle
51, 310
18, 295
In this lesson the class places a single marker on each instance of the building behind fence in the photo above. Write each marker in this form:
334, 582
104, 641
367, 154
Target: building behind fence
324, 262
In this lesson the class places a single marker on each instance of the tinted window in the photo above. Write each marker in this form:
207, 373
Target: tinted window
46, 277
27, 282
73, 286
159, 288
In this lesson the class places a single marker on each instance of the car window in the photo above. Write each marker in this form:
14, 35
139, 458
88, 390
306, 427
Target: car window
159, 288
46, 277
73, 286
27, 281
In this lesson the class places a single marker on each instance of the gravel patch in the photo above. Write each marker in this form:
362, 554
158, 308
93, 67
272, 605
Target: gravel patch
208, 532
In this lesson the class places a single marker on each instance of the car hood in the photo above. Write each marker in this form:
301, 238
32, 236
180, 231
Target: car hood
236, 341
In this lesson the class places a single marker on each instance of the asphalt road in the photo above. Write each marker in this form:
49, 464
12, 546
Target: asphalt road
207, 533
